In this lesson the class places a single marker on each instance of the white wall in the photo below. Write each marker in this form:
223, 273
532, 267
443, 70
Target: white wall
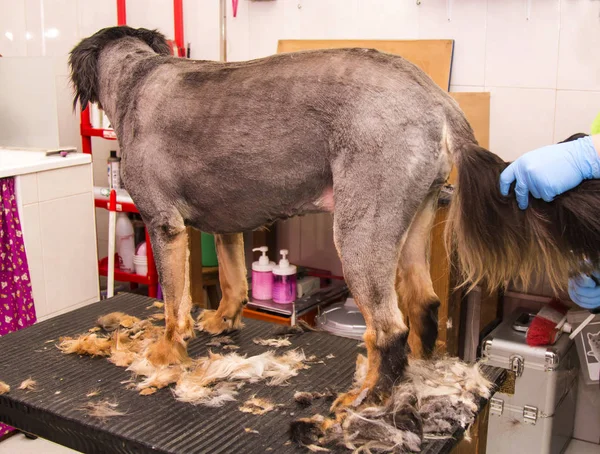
538, 58
48, 30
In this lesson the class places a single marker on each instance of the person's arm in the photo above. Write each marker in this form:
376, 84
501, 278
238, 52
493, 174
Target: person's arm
552, 170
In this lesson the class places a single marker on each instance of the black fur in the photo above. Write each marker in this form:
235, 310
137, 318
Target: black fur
393, 362
429, 324
83, 59
305, 432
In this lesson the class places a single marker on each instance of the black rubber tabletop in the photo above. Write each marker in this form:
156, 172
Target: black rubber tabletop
158, 423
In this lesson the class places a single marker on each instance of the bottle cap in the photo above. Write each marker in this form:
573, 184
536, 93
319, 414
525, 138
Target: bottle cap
263, 263
284, 268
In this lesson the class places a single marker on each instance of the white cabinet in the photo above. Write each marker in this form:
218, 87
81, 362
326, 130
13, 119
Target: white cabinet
57, 214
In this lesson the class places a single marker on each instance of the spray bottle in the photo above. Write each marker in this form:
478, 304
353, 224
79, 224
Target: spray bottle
114, 170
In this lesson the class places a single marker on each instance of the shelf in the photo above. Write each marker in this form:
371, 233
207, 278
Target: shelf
121, 276
94, 132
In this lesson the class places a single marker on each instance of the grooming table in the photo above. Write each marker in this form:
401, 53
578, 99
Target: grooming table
159, 423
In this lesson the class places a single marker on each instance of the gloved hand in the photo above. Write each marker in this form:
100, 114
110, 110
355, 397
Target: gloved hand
585, 291
552, 170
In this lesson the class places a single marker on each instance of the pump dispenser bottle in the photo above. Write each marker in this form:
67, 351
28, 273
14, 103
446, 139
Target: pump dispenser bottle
262, 276
284, 280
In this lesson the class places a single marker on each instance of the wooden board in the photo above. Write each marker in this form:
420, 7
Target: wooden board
432, 56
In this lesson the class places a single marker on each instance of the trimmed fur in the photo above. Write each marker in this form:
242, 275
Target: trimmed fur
4, 388
28, 384
86, 344
277, 343
257, 406
435, 398
114, 320
496, 241
103, 409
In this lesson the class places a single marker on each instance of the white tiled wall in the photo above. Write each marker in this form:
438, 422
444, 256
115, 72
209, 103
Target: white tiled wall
527, 53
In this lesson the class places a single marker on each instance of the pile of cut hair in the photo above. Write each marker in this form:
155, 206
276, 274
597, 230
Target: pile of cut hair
434, 400
209, 380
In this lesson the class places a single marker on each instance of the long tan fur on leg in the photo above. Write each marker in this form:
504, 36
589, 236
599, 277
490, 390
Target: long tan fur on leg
171, 349
234, 286
416, 296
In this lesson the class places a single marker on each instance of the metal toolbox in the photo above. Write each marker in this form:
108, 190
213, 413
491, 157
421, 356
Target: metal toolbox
534, 412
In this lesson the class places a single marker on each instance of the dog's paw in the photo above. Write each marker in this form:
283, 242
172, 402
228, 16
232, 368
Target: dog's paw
214, 323
165, 352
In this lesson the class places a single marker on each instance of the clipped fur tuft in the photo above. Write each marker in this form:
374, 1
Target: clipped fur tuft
83, 59
496, 241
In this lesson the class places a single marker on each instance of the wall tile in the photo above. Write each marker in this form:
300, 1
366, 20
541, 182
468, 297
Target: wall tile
465, 22
384, 19
59, 27
521, 119
575, 112
28, 189
156, 14
12, 28
578, 62
201, 28
94, 15
522, 52
466, 88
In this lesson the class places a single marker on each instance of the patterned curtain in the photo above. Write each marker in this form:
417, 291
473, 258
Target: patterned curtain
16, 302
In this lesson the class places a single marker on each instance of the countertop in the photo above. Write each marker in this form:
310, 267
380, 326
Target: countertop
20, 161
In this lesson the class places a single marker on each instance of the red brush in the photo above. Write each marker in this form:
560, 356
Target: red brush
546, 325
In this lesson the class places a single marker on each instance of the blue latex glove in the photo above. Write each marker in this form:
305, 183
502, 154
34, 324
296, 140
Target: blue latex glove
552, 170
585, 291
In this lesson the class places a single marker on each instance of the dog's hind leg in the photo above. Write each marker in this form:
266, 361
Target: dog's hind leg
416, 296
234, 286
170, 247
370, 221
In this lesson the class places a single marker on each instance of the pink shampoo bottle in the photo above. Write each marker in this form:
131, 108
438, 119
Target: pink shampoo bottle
284, 280
262, 276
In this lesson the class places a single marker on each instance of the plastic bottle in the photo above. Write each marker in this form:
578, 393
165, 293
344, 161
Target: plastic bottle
125, 243
114, 170
262, 276
284, 280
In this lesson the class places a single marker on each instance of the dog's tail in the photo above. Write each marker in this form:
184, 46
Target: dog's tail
496, 241
83, 59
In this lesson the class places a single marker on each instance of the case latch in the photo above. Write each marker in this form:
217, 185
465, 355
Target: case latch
516, 364
496, 406
530, 414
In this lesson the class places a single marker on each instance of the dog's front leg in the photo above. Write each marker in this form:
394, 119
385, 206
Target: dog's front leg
234, 286
170, 246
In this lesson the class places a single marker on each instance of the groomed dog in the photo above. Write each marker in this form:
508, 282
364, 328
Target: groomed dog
230, 147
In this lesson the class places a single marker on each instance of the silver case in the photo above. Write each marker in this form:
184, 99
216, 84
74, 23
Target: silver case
539, 416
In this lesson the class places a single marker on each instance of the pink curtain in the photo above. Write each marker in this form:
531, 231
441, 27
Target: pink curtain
16, 302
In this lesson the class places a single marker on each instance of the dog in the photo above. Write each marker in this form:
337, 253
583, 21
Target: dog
365, 135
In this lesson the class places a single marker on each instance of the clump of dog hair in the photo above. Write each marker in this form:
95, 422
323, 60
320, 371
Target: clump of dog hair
156, 304
436, 398
216, 379
86, 344
220, 341
102, 409
277, 343
305, 399
248, 430
28, 385
257, 406
4, 388
114, 320
92, 393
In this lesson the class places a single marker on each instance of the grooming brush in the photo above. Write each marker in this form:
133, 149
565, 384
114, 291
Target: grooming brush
547, 325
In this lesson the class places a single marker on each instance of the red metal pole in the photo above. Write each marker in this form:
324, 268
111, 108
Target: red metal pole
86, 141
178, 26
121, 12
